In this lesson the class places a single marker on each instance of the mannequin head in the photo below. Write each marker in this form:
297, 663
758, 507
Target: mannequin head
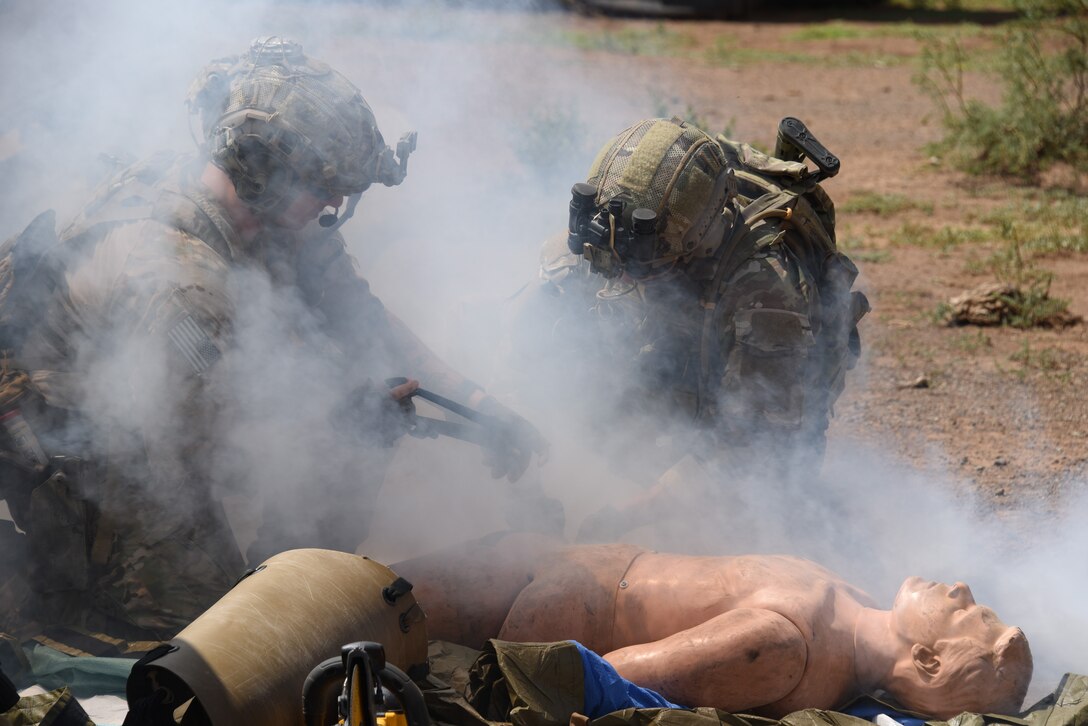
955, 655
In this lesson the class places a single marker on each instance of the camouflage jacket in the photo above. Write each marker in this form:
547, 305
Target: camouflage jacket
157, 320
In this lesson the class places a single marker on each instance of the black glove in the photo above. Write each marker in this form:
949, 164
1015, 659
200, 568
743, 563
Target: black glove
370, 414
508, 449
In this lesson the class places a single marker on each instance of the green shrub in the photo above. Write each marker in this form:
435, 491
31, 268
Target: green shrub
1032, 305
1041, 119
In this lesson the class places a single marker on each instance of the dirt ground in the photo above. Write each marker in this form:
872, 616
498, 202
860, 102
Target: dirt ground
999, 408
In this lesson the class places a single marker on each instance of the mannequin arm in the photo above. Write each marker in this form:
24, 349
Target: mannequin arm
736, 661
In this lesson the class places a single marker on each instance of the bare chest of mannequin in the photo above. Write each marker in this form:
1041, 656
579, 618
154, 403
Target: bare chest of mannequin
663, 595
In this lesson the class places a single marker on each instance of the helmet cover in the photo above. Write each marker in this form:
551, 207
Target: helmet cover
274, 120
672, 168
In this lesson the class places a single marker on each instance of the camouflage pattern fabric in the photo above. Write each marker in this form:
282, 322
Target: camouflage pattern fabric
125, 533
671, 168
55, 708
273, 117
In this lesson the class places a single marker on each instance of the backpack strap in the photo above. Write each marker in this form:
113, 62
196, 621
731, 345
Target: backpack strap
732, 253
195, 215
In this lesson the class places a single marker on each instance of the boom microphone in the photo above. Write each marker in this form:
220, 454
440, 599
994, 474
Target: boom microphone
328, 217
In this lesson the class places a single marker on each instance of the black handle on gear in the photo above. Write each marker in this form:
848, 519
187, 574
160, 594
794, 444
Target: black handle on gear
450, 405
795, 142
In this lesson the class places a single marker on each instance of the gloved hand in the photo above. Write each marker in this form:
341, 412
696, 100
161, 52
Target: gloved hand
376, 413
508, 451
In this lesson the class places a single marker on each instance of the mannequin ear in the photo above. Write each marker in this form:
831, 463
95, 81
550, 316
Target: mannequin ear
926, 661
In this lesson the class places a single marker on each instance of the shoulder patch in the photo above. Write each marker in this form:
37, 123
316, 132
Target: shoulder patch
194, 344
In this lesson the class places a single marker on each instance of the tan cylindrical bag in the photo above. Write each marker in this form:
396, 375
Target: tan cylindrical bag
246, 658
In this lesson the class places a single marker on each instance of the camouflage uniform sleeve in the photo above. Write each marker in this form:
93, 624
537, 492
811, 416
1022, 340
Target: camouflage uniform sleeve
766, 341
373, 338
152, 302
152, 315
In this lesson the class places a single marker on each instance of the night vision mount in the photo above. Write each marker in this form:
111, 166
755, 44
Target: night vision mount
614, 242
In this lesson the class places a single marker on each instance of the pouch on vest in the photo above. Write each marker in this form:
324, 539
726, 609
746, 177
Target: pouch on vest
766, 370
60, 537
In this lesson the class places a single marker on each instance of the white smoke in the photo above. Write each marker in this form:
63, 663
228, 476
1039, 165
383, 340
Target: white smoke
505, 128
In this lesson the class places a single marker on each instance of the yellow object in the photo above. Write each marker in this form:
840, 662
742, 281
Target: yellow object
392, 718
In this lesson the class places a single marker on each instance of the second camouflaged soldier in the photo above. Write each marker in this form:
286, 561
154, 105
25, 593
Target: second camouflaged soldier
699, 294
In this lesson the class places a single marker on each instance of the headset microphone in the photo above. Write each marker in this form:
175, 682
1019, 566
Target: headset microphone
328, 217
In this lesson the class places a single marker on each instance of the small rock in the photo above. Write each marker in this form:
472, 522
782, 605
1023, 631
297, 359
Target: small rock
980, 469
1000, 493
963, 461
1001, 461
919, 382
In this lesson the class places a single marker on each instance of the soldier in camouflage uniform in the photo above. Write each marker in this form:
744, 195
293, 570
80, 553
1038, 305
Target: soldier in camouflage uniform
120, 376
700, 294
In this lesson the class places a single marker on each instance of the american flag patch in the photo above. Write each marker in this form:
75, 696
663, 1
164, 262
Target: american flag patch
194, 344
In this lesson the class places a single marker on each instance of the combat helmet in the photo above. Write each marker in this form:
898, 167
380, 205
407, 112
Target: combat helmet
275, 120
654, 197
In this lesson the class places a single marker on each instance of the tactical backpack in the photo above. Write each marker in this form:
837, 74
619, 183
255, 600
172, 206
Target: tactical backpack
783, 191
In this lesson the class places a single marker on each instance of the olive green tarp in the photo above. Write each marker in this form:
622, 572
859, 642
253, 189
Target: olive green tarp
541, 685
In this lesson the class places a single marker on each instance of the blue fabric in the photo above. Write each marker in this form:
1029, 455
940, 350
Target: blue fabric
607, 691
867, 708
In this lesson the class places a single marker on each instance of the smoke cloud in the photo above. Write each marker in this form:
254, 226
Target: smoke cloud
508, 116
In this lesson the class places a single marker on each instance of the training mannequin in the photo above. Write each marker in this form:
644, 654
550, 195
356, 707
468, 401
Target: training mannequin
759, 634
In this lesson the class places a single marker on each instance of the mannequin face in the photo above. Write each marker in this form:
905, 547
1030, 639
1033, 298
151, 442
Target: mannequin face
956, 654
925, 612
